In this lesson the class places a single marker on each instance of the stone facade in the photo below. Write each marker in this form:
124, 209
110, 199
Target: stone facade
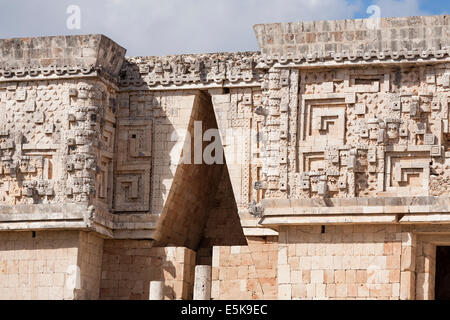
334, 184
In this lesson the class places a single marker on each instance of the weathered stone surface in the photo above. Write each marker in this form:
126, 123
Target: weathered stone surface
361, 39
59, 57
335, 182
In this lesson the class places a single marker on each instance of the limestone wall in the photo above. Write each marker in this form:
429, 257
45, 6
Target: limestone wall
314, 41
345, 262
245, 272
59, 56
49, 265
130, 265
425, 271
90, 258
334, 185
147, 147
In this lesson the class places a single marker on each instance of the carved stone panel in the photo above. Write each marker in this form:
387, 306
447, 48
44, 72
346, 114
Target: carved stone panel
407, 173
323, 122
132, 192
134, 160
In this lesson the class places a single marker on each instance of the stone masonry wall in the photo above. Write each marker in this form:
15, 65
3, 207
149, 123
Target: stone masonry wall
90, 257
245, 272
346, 262
425, 261
325, 39
344, 155
130, 265
40, 267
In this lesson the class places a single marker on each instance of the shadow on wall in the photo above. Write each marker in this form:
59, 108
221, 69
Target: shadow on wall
129, 266
194, 192
148, 176
224, 226
167, 271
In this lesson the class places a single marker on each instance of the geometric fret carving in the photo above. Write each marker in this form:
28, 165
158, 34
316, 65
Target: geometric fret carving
377, 141
104, 177
132, 192
407, 172
312, 162
323, 122
134, 160
134, 145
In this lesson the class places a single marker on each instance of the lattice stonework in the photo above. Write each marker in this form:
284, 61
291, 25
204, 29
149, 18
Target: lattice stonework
370, 132
48, 135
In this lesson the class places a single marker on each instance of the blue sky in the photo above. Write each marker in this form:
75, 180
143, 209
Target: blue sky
428, 7
161, 27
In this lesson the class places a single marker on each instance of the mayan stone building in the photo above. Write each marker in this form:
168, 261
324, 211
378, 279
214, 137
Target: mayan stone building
337, 185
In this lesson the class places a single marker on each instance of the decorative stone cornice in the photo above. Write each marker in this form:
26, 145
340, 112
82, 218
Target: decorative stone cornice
203, 69
420, 209
55, 72
247, 68
414, 56
7, 73
77, 216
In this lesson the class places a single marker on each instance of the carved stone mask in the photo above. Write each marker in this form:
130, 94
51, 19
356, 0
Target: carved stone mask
392, 130
373, 131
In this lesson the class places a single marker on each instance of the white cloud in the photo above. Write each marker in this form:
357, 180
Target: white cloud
399, 8
159, 27
177, 26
